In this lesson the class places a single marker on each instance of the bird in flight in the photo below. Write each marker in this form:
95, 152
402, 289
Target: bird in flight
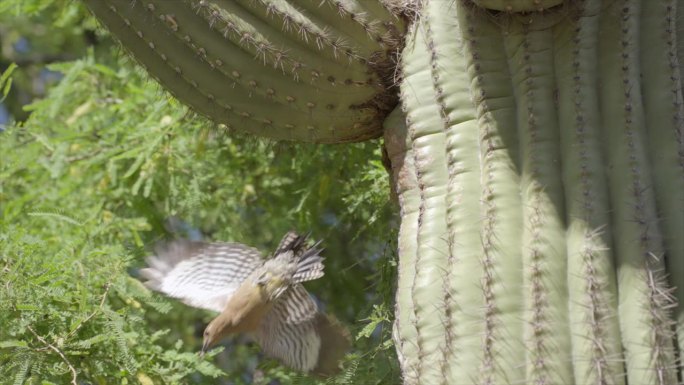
260, 297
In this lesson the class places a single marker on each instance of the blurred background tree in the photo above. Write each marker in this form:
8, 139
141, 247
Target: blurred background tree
98, 163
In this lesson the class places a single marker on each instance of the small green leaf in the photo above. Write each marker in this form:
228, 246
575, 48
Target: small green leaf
6, 81
27, 307
368, 329
12, 344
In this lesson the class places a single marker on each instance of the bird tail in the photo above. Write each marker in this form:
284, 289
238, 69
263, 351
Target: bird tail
309, 261
309, 264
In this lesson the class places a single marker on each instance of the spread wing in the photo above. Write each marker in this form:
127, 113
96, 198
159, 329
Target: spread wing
288, 332
200, 274
301, 337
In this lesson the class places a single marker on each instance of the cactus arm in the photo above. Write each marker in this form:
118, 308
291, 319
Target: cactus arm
313, 34
266, 43
166, 70
235, 64
594, 327
276, 88
664, 118
643, 296
372, 20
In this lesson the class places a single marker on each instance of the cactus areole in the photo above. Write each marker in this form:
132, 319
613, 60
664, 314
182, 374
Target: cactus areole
536, 150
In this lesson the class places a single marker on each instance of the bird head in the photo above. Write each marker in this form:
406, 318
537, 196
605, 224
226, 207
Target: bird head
217, 329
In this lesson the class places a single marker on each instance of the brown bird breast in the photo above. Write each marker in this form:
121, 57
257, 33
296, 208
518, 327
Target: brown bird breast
246, 308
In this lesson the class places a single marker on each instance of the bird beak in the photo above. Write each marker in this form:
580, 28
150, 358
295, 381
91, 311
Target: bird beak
205, 347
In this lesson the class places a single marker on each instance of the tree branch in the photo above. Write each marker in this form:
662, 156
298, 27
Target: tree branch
56, 350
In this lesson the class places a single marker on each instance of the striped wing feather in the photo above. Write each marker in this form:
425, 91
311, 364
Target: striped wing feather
288, 333
201, 274
289, 241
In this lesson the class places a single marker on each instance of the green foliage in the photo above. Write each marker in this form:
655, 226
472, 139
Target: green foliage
70, 311
36, 32
105, 166
6, 81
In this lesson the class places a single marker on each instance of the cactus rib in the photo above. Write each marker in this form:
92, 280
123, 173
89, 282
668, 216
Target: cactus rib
530, 56
500, 200
428, 144
644, 300
664, 118
401, 156
463, 327
594, 327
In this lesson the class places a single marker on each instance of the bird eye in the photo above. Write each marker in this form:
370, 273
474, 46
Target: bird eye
206, 333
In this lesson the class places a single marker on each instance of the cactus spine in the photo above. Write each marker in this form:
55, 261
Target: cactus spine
537, 153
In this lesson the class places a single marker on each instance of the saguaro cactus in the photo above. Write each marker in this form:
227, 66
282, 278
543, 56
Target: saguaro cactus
537, 150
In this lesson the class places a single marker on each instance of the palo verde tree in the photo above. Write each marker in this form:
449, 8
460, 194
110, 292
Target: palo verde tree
536, 149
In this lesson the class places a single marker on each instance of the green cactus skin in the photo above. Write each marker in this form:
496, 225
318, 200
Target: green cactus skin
448, 70
643, 296
266, 67
544, 259
569, 290
518, 5
679, 37
664, 118
500, 217
428, 140
405, 180
538, 160
594, 327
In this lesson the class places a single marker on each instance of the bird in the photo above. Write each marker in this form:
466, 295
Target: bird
263, 298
